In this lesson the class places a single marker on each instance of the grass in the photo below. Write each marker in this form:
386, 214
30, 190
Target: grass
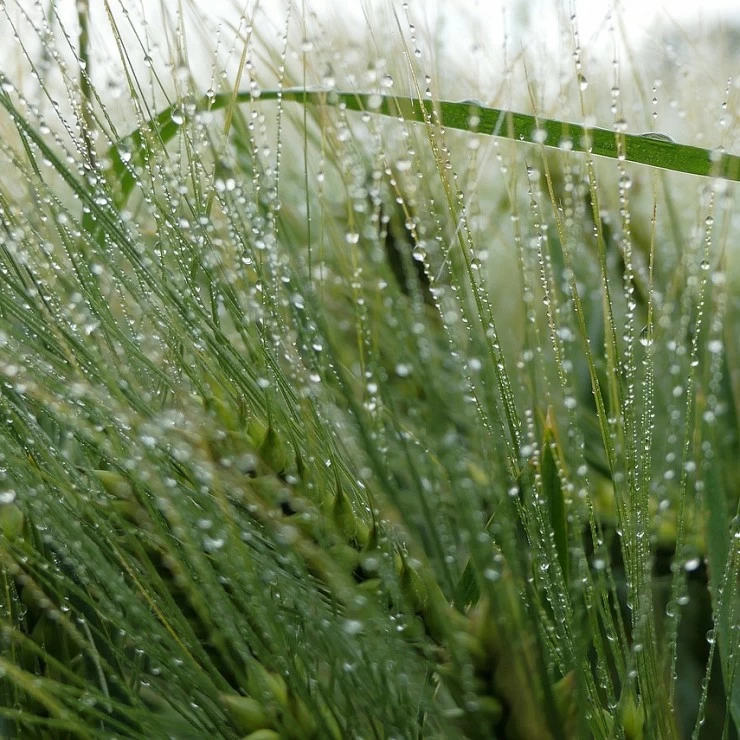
337, 413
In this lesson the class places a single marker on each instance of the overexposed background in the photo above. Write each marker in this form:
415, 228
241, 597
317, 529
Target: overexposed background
466, 48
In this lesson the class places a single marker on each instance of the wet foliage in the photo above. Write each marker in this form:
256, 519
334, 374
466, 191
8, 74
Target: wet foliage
335, 406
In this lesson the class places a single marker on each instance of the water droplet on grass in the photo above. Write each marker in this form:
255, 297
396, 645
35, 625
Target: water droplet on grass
7, 497
353, 626
418, 253
715, 346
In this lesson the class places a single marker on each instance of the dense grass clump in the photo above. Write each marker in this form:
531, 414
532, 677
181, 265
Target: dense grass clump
334, 406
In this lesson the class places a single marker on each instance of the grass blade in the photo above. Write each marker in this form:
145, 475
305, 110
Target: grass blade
649, 148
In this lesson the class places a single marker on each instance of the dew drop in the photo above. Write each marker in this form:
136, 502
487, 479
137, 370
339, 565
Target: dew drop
353, 626
715, 346
7, 497
646, 336
418, 253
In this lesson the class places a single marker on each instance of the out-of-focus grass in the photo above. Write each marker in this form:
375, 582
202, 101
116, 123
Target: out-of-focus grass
291, 451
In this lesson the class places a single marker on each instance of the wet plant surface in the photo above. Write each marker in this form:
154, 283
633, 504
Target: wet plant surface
346, 396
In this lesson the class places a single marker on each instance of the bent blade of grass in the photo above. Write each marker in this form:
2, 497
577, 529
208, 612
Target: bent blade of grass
650, 148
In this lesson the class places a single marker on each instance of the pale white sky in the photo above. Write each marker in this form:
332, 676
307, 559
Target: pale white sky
456, 23
639, 15
448, 33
